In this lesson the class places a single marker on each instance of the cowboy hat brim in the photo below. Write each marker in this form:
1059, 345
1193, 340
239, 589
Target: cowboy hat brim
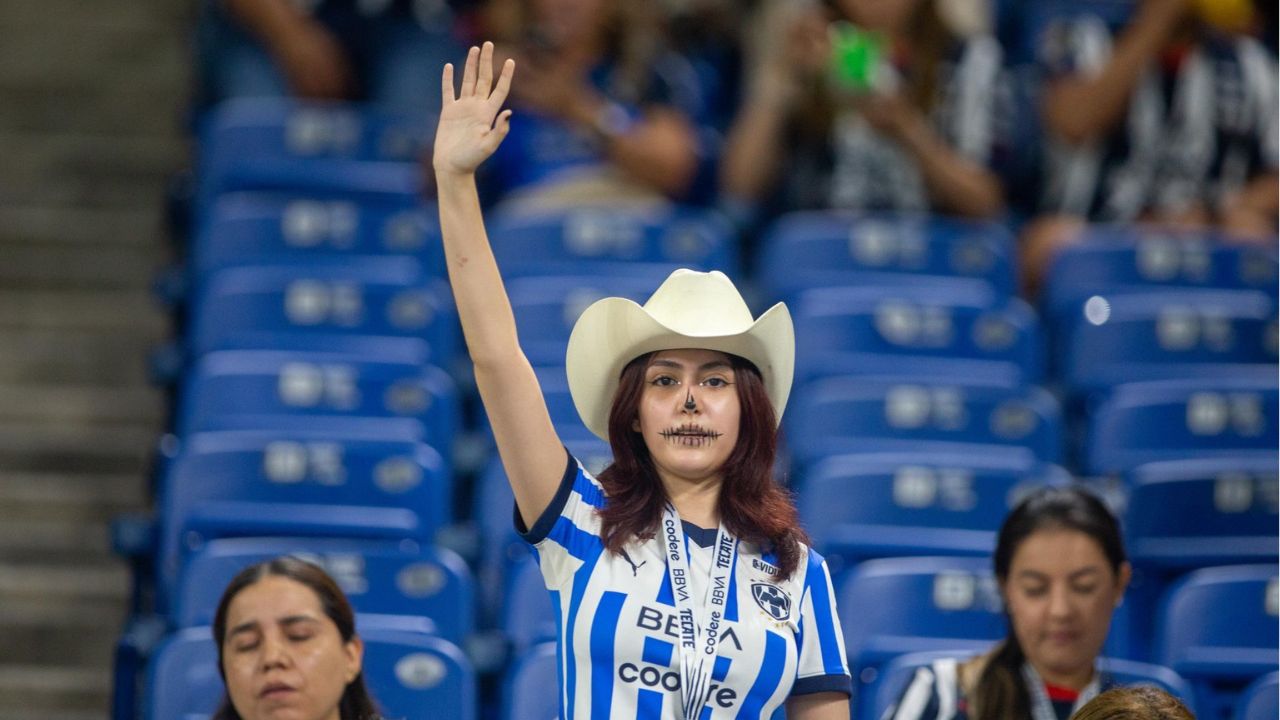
614, 331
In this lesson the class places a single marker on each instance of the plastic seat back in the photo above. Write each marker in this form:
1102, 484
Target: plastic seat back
1195, 513
528, 693
916, 331
247, 228
528, 241
1217, 627
1168, 335
237, 389
830, 248
1182, 419
402, 585
547, 307
411, 676
383, 484
860, 415
1261, 700
321, 304
858, 507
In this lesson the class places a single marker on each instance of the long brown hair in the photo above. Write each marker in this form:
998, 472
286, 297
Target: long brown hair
1000, 692
355, 704
752, 504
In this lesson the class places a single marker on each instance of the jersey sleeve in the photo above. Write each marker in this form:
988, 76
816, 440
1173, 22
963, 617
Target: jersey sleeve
568, 531
822, 666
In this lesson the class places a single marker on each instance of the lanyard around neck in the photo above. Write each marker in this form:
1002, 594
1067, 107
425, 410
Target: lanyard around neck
1041, 705
699, 627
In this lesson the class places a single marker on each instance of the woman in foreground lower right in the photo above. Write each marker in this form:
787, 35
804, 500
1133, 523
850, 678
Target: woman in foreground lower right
1061, 568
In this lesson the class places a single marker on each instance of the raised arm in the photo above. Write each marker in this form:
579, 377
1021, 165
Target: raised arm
471, 128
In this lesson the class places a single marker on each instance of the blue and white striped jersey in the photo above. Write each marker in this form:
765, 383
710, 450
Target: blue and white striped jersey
618, 637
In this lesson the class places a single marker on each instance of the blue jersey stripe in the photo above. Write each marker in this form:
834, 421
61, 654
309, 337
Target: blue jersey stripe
591, 493
818, 587
580, 581
657, 652
775, 657
648, 704
580, 543
560, 669
604, 629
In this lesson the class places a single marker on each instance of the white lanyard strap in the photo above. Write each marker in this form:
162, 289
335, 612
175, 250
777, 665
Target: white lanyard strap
1041, 706
699, 631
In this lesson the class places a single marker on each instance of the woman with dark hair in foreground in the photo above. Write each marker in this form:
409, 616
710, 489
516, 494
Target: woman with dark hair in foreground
1061, 568
287, 646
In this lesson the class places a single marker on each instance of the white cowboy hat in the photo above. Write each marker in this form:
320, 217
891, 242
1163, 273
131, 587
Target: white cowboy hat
689, 310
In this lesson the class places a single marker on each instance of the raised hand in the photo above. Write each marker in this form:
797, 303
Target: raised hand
471, 127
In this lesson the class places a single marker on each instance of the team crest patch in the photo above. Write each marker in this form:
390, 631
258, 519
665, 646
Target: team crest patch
772, 599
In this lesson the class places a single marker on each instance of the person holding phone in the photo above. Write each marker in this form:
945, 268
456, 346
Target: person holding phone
870, 105
680, 576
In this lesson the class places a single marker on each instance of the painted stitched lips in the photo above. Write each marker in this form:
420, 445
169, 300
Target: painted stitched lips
772, 599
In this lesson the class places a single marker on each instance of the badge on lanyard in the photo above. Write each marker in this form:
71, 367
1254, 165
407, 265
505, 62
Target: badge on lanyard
700, 626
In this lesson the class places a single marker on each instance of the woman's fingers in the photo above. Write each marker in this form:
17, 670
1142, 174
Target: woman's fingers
484, 80
469, 73
499, 131
446, 85
503, 87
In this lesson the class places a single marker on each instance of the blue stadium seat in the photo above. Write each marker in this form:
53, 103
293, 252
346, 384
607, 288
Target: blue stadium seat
281, 143
860, 415
322, 305
494, 507
858, 507
1182, 419
1195, 513
393, 585
915, 331
822, 249
244, 389
528, 693
528, 617
372, 480
1167, 335
411, 675
560, 242
555, 391
246, 228
897, 674
1261, 700
893, 606
1217, 627
1120, 259
546, 307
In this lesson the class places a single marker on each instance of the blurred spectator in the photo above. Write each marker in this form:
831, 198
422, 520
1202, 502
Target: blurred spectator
870, 105
1171, 119
1135, 703
388, 52
602, 110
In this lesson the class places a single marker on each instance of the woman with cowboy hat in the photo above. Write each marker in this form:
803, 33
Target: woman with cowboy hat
681, 578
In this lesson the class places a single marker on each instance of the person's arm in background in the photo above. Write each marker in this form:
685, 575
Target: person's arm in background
658, 146
312, 60
1251, 212
955, 183
796, 47
1083, 106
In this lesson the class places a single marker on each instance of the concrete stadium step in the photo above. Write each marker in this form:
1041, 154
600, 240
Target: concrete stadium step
53, 692
132, 311
118, 448
87, 404
87, 170
79, 226
47, 357
63, 518
35, 264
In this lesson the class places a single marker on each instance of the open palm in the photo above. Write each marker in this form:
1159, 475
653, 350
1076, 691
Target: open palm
471, 127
